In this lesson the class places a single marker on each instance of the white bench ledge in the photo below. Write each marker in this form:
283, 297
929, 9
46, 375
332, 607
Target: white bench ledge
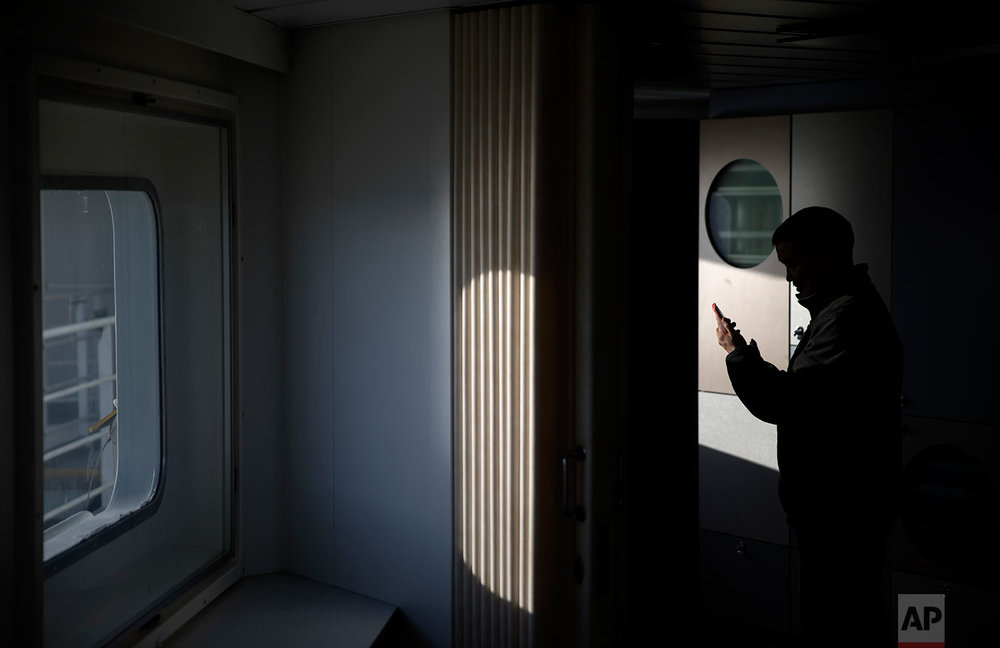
285, 610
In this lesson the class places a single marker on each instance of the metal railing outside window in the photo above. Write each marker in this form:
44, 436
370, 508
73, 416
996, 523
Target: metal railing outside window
101, 399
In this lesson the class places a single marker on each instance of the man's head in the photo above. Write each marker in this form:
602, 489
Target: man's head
816, 245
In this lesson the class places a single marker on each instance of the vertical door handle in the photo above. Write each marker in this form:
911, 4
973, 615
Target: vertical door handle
576, 510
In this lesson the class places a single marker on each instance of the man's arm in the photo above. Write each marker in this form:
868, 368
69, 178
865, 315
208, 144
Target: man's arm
753, 378
759, 384
777, 396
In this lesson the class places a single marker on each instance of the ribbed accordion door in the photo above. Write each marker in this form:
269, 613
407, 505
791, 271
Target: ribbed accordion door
493, 247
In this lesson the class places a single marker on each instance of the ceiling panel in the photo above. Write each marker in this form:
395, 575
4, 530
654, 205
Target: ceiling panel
849, 43
708, 57
682, 45
731, 43
295, 14
253, 5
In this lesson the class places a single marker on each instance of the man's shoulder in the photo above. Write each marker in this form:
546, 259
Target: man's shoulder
852, 315
863, 304
840, 311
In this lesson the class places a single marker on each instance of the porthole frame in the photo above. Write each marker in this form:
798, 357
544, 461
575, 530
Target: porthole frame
767, 191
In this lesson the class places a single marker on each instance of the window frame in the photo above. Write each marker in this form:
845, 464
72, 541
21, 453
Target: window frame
130, 520
37, 76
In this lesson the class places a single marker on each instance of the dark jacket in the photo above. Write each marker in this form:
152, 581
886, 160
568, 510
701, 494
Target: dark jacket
837, 408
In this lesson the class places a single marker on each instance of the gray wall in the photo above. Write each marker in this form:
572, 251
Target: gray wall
368, 303
364, 294
261, 420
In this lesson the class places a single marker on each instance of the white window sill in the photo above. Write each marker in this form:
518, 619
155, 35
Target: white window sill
269, 609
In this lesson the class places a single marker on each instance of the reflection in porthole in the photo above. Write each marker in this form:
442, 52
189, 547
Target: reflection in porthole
742, 211
949, 507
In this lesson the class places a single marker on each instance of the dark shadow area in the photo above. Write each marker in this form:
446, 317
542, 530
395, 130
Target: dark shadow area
739, 497
744, 582
949, 522
660, 491
496, 617
949, 506
944, 266
401, 632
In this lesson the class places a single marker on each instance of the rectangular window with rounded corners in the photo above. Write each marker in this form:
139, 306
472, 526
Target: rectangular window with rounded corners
103, 442
147, 275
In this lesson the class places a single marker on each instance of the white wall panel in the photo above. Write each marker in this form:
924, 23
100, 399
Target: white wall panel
839, 160
843, 161
738, 471
756, 298
737, 453
392, 314
368, 313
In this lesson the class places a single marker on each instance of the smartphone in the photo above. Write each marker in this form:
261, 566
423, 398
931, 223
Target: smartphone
718, 312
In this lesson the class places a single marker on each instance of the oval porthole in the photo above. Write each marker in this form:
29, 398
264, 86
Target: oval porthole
742, 211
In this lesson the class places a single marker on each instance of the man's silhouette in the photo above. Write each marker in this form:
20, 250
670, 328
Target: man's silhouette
837, 410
